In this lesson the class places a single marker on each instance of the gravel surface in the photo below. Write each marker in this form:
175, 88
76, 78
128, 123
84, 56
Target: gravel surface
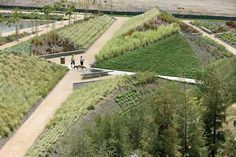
206, 7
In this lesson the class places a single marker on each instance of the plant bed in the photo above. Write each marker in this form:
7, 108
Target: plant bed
79, 35
138, 32
171, 57
205, 49
228, 37
11, 38
22, 86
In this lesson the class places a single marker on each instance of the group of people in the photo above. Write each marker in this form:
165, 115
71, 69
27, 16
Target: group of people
73, 61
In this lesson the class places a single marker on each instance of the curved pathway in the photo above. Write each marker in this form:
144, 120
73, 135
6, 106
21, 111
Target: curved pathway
25, 136
212, 36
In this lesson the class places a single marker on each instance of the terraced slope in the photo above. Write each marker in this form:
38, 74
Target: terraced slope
70, 112
24, 80
171, 57
81, 35
85, 33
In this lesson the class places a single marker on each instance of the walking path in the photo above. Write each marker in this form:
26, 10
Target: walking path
212, 36
170, 78
43, 29
32, 128
89, 56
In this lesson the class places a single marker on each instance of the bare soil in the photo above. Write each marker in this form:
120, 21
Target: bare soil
202, 7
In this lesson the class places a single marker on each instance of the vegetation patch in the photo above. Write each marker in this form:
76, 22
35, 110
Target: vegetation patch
73, 37
50, 44
24, 80
83, 34
137, 33
206, 49
229, 37
75, 106
216, 26
171, 56
11, 38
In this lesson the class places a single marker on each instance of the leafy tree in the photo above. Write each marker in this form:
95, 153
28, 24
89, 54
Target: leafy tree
70, 10
1, 21
15, 19
191, 127
215, 97
163, 128
47, 10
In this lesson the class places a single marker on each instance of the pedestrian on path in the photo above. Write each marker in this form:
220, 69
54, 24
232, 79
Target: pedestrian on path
81, 61
72, 61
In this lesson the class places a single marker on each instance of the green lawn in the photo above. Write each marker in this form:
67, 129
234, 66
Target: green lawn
171, 56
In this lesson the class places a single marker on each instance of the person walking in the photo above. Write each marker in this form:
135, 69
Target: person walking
81, 61
72, 61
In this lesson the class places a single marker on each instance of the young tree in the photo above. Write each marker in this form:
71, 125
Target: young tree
15, 19
162, 131
215, 97
191, 127
69, 11
1, 22
47, 10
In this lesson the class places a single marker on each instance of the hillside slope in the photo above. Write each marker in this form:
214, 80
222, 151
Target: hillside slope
24, 80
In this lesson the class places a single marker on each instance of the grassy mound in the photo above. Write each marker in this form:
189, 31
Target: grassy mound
85, 33
24, 81
139, 31
76, 105
77, 36
171, 56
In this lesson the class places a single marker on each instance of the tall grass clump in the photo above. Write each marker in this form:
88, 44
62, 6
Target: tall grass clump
24, 80
138, 20
122, 44
139, 31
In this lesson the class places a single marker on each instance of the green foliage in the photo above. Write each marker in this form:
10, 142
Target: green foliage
131, 35
137, 21
50, 44
123, 44
80, 35
69, 113
229, 37
206, 49
215, 26
22, 86
83, 34
11, 38
22, 48
171, 56
216, 95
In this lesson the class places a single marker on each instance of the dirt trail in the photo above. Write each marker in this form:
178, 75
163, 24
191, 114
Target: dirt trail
212, 36
25, 136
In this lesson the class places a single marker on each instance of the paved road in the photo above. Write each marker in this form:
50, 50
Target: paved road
212, 36
32, 128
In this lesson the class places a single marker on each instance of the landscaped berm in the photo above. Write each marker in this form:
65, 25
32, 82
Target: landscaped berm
170, 89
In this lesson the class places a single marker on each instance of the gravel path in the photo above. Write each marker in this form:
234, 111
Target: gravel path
32, 128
